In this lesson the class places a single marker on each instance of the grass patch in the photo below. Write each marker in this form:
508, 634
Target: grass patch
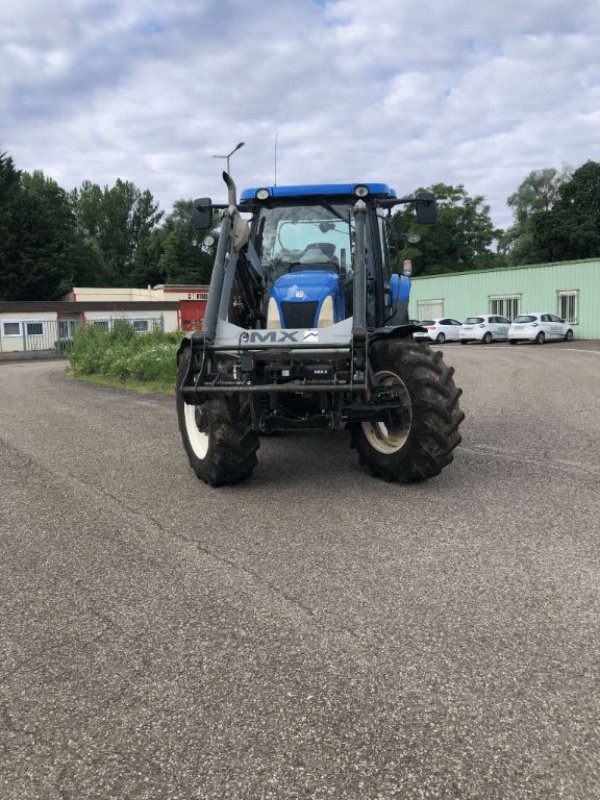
141, 387
121, 357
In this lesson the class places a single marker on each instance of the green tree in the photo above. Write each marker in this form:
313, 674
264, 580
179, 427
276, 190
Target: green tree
10, 196
570, 229
185, 258
147, 270
41, 240
461, 239
536, 195
117, 224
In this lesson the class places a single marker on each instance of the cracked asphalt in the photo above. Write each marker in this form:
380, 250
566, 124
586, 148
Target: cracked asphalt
314, 632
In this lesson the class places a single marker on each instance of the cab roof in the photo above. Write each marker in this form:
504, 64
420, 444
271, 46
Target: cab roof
320, 190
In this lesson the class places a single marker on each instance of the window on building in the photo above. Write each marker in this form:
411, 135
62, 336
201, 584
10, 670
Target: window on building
122, 323
568, 306
11, 328
35, 328
508, 305
140, 325
103, 324
430, 309
66, 328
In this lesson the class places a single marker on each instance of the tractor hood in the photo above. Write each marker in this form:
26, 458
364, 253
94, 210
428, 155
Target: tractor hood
305, 285
300, 296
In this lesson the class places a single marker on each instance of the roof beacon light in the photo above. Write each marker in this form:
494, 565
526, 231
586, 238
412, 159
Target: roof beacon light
361, 190
262, 194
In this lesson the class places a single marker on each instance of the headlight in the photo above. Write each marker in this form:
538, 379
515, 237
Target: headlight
273, 320
326, 313
361, 191
262, 194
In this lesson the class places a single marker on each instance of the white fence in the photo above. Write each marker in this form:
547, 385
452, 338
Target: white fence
47, 338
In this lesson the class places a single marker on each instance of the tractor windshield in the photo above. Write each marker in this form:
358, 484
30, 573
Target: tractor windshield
310, 236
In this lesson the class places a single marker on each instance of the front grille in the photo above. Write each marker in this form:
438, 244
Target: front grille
299, 315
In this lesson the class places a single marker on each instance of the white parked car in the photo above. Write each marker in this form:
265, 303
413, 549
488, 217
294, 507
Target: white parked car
438, 330
484, 328
539, 327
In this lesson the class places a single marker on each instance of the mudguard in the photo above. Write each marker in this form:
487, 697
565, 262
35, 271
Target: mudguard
394, 332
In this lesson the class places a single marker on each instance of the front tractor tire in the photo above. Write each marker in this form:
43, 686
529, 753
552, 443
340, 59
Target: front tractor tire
422, 442
217, 434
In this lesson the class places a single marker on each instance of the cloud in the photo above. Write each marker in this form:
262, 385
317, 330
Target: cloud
393, 91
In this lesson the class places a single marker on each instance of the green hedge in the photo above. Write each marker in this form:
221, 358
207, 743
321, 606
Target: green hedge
124, 354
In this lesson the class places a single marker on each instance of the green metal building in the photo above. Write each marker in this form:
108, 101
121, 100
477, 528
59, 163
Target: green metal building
570, 289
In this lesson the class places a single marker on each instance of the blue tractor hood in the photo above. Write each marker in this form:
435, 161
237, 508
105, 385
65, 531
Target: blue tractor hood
306, 290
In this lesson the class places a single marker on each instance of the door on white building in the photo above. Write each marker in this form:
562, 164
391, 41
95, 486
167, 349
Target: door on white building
430, 309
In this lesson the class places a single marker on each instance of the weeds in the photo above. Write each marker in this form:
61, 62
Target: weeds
124, 354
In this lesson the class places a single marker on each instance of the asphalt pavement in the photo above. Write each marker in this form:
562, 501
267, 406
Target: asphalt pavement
313, 632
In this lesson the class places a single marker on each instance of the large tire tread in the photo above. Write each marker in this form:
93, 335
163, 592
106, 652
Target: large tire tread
436, 414
231, 455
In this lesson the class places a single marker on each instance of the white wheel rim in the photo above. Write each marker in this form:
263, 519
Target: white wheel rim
198, 439
384, 439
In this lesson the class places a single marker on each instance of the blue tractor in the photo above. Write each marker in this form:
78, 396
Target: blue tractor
306, 328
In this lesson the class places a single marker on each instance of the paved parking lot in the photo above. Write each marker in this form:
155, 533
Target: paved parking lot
314, 632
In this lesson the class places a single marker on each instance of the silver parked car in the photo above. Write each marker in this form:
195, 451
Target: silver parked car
484, 328
539, 327
438, 330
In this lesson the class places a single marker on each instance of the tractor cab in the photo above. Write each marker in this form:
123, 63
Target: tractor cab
311, 256
305, 239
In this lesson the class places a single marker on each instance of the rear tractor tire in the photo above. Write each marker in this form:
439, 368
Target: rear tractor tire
421, 444
217, 434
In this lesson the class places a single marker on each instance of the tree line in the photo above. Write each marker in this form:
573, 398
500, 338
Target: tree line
556, 217
52, 239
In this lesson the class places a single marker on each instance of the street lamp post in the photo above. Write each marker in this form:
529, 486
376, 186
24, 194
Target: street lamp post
228, 156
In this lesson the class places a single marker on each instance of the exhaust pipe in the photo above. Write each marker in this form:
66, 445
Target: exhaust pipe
231, 191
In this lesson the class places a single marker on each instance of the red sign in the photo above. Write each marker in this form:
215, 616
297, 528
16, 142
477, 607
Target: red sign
191, 314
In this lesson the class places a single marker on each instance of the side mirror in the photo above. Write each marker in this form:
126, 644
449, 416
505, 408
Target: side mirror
426, 208
202, 217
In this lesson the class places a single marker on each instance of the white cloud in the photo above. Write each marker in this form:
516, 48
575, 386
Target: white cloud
392, 90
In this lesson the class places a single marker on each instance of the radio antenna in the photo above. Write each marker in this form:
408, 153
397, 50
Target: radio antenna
275, 161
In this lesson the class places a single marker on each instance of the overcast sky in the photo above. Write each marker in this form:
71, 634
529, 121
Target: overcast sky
399, 91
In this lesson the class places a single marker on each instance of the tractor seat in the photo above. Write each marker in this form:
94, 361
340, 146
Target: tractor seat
320, 255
